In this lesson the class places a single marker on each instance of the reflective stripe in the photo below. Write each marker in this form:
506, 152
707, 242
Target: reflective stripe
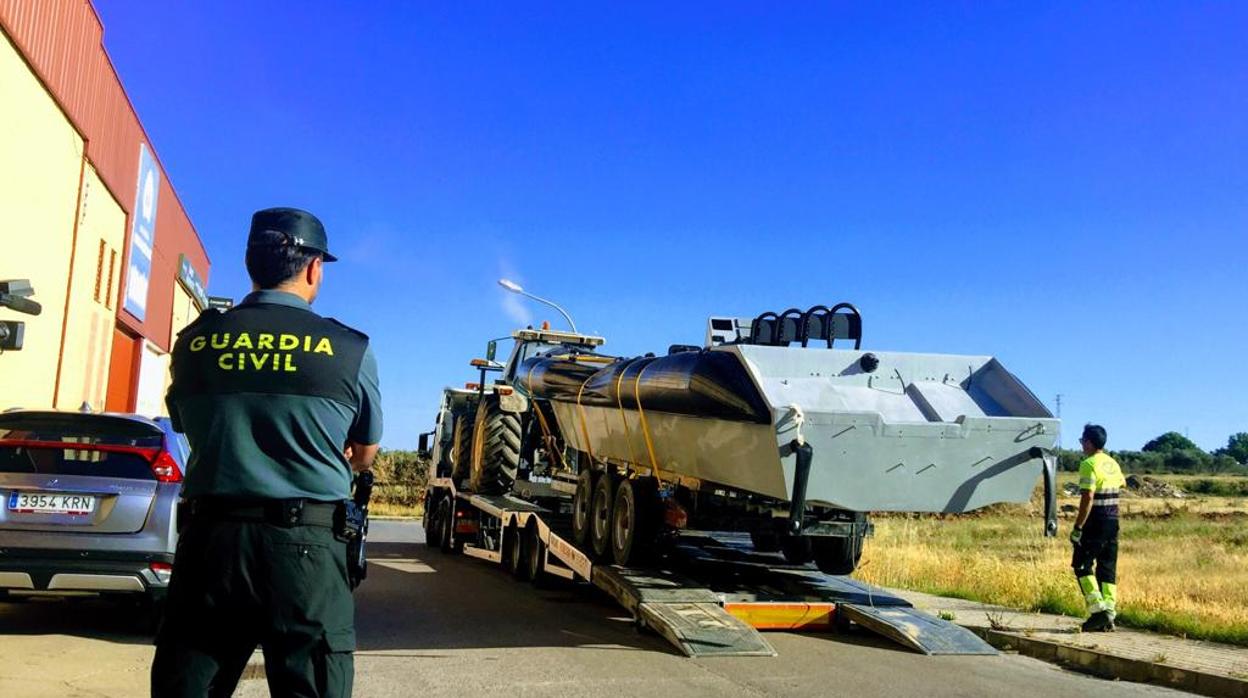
1105, 502
1091, 595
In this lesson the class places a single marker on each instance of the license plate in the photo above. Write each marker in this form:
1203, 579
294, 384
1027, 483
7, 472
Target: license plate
51, 503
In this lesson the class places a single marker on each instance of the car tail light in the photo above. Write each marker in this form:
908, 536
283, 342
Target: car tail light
162, 570
165, 468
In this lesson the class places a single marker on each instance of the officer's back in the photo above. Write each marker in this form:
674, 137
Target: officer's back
279, 405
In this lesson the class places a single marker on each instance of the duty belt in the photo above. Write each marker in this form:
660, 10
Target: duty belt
279, 512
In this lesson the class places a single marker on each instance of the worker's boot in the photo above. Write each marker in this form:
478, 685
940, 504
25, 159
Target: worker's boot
1099, 622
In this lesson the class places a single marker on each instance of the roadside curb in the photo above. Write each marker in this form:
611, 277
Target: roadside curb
1112, 666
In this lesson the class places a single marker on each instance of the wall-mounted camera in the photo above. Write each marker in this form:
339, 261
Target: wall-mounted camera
15, 295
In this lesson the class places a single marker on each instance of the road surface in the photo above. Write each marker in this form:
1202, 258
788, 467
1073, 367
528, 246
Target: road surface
431, 624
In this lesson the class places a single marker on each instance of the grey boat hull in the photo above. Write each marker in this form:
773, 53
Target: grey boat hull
917, 433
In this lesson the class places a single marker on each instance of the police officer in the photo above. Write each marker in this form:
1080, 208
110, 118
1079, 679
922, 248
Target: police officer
1095, 535
279, 405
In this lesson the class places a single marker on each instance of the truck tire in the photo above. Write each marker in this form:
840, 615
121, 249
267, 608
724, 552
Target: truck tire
582, 501
837, 555
535, 557
515, 551
600, 516
446, 527
633, 521
432, 536
495, 449
461, 453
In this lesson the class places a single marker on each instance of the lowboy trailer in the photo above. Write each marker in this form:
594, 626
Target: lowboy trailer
710, 596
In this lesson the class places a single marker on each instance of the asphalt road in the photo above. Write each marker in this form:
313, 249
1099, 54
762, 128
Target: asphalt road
431, 624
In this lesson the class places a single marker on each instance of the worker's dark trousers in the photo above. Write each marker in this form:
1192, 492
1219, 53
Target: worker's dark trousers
239, 584
1098, 549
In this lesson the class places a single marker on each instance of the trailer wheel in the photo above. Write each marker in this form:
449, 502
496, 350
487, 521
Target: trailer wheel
535, 556
837, 555
632, 521
430, 522
495, 449
600, 516
444, 523
582, 502
516, 553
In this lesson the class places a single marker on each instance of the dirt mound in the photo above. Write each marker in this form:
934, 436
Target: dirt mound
1145, 486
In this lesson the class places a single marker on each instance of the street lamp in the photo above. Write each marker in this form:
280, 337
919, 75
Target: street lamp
515, 288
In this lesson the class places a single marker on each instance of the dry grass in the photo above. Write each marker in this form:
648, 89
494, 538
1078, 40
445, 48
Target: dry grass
1183, 573
400, 486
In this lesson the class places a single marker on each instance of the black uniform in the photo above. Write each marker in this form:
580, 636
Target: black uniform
268, 394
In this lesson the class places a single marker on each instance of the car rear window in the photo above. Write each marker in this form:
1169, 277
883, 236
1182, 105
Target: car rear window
88, 433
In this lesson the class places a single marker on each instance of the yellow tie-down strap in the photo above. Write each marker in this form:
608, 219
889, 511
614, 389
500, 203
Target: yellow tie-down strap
645, 426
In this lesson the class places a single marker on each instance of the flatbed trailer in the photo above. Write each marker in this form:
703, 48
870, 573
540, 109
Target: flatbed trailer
710, 596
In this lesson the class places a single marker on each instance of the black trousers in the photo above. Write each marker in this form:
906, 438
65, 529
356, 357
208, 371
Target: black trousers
239, 584
1099, 548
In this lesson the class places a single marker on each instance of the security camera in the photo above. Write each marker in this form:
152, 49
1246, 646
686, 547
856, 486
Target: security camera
16, 293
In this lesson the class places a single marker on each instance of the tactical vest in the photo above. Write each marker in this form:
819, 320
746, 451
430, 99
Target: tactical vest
269, 349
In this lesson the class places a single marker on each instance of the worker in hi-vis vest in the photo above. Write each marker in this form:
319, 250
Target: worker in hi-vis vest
1095, 535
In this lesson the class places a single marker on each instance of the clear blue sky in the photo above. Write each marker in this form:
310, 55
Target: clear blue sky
1063, 187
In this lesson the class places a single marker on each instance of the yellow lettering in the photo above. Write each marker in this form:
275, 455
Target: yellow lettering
243, 341
220, 341
224, 361
290, 366
287, 342
198, 343
277, 361
324, 347
307, 342
265, 341
259, 360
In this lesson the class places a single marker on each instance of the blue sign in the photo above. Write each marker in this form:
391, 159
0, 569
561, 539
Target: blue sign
142, 234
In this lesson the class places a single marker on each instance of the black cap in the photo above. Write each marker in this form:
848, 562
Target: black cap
294, 226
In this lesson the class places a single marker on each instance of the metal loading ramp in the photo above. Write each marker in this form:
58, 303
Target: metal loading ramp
684, 612
764, 590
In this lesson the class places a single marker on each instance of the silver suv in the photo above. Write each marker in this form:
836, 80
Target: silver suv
89, 503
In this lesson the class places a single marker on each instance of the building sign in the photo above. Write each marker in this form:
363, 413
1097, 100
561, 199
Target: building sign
220, 302
142, 234
190, 280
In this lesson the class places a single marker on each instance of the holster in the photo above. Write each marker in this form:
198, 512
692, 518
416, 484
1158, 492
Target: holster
351, 527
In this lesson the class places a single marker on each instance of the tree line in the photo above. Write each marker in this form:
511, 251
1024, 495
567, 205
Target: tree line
1173, 452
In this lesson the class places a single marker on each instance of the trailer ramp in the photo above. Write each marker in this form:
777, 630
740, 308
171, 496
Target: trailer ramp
915, 629
684, 612
767, 592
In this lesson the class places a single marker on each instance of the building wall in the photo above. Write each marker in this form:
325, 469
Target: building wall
94, 294
69, 153
41, 166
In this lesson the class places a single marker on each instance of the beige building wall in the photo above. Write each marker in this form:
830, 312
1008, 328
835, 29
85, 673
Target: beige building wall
93, 297
184, 311
41, 159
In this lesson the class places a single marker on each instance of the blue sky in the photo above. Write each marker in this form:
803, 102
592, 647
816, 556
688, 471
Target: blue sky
1057, 185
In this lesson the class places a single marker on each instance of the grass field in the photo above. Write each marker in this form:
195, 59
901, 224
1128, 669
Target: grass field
1183, 572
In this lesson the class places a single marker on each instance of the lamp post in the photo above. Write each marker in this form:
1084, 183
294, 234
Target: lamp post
515, 288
